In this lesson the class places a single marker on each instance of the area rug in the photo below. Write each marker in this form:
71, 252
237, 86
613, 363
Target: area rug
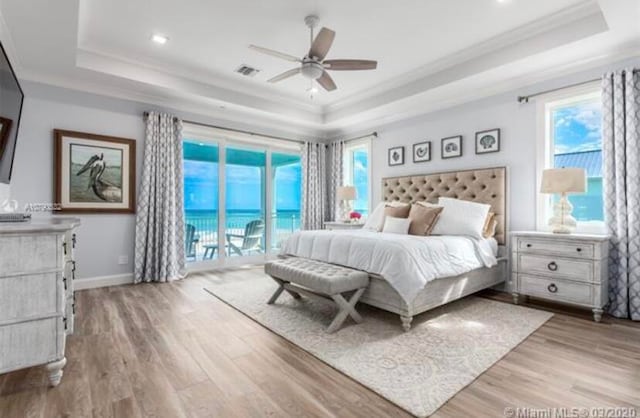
445, 350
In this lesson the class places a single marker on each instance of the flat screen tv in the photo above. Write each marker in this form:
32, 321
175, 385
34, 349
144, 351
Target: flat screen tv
11, 98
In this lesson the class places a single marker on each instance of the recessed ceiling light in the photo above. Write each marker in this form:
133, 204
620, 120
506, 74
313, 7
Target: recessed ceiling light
312, 90
159, 39
503, 1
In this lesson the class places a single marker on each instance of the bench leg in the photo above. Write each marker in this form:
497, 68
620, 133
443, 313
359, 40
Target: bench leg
406, 322
279, 290
346, 308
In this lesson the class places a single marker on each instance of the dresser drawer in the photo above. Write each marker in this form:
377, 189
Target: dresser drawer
574, 269
30, 296
560, 290
556, 247
30, 343
30, 253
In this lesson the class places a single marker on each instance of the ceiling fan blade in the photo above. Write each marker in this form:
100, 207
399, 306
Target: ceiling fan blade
350, 65
284, 75
322, 43
276, 54
326, 82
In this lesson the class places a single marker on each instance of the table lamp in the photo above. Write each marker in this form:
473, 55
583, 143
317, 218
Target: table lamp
563, 181
345, 194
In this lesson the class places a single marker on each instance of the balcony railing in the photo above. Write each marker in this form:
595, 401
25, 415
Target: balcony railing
283, 224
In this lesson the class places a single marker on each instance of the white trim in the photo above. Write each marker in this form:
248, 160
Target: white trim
103, 281
544, 137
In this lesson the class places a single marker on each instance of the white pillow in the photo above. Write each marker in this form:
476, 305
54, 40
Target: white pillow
396, 225
461, 217
375, 221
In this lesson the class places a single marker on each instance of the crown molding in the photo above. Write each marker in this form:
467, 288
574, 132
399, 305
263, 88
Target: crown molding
180, 104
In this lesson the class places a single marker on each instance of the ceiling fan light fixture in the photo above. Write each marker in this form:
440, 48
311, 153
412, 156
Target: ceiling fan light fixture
159, 39
312, 70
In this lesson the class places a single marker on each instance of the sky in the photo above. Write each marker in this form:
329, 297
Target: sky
578, 127
361, 183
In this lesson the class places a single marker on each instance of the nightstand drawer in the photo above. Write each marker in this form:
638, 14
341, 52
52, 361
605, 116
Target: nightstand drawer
560, 290
556, 247
579, 270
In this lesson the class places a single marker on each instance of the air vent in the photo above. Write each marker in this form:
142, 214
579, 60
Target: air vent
245, 70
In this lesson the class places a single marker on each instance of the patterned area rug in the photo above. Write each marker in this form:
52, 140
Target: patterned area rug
446, 349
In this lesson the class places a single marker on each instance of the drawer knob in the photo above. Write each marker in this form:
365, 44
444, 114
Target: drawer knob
552, 266
578, 249
528, 245
552, 288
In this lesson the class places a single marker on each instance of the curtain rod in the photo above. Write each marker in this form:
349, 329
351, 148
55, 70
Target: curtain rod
525, 99
146, 114
373, 134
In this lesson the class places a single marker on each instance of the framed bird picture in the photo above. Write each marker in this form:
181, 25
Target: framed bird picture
94, 173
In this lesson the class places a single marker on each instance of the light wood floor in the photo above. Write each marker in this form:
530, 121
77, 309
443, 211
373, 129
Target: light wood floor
172, 350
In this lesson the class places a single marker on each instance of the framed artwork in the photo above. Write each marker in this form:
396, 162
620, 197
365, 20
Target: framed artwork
5, 127
422, 152
488, 141
396, 156
451, 147
94, 173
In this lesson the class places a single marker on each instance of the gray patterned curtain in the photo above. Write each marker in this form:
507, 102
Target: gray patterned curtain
621, 154
336, 153
313, 185
159, 248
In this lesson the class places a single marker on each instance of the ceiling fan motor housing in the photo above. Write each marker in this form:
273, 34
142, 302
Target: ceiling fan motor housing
312, 70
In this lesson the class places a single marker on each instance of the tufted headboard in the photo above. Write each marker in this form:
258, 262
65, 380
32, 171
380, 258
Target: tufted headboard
486, 185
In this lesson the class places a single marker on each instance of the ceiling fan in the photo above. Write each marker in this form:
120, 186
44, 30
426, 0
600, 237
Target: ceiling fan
313, 65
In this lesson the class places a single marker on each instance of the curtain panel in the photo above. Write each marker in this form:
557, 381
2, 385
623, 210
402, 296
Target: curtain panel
314, 161
621, 183
335, 179
160, 247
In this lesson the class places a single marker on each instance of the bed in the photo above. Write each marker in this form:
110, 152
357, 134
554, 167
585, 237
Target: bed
422, 285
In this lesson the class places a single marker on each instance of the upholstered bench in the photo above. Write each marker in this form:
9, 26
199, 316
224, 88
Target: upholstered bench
319, 280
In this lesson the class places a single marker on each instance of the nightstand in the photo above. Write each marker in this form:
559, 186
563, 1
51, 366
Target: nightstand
342, 225
568, 268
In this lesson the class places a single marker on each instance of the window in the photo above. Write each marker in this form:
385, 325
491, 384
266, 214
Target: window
241, 196
357, 172
573, 138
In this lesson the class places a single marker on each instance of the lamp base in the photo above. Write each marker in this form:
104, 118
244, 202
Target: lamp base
562, 222
345, 210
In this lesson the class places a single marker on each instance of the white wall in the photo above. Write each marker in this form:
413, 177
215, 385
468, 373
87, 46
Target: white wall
517, 149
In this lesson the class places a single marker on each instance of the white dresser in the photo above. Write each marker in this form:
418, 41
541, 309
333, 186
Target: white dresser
561, 267
37, 305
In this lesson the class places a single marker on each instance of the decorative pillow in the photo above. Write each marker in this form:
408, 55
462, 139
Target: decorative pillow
375, 221
490, 225
394, 225
397, 211
461, 217
423, 219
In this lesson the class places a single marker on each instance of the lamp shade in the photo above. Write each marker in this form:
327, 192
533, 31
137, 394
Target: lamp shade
564, 180
346, 193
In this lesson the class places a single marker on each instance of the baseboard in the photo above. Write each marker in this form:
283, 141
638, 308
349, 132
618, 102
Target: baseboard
103, 281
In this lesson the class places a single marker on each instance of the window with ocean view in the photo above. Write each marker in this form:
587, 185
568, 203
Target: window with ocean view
356, 173
574, 139
245, 215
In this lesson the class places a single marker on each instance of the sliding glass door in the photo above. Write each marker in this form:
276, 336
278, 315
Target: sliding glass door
242, 200
201, 192
245, 202
286, 178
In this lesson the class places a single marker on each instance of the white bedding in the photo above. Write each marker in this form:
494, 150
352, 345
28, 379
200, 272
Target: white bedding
407, 262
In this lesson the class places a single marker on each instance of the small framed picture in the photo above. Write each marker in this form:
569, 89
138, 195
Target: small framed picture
422, 152
396, 156
488, 141
451, 147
